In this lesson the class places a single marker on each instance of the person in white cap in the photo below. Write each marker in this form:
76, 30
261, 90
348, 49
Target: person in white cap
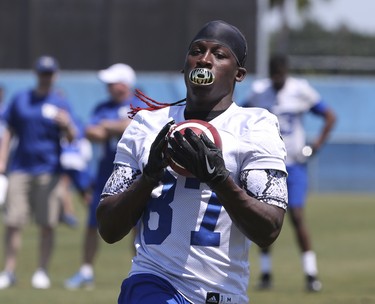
106, 125
118, 73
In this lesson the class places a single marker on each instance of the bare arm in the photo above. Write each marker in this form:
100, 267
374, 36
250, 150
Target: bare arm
115, 127
64, 120
329, 121
106, 129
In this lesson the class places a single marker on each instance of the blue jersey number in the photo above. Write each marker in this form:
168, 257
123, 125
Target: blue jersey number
159, 208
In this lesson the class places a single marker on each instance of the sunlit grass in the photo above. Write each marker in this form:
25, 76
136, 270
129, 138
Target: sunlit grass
342, 227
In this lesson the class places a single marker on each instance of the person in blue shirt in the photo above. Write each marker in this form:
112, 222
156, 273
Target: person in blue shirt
39, 118
106, 125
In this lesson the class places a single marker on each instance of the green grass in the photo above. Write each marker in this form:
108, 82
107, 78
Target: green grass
342, 227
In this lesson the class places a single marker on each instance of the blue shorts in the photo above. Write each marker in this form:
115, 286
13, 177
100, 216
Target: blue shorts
297, 183
149, 289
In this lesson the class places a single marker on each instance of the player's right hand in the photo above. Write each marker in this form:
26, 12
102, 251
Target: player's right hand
157, 160
200, 156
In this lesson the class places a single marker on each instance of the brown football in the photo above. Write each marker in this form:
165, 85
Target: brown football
198, 127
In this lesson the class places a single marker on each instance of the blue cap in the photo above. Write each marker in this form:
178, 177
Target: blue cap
46, 64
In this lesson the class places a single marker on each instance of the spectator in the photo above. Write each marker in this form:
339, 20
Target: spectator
40, 118
108, 122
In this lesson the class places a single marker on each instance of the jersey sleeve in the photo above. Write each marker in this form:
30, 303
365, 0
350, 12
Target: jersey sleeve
309, 94
261, 145
132, 145
320, 108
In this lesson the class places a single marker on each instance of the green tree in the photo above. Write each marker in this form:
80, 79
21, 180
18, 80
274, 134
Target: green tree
282, 36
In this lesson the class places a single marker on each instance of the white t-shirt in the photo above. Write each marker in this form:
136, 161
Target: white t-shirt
295, 99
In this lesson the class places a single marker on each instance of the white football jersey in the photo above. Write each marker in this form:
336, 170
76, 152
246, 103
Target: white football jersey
185, 235
289, 104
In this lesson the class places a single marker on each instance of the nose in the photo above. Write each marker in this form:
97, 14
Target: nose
205, 60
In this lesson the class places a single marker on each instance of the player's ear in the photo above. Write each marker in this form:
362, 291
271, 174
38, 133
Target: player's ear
241, 73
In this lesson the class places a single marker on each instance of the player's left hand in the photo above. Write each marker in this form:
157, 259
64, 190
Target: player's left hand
199, 155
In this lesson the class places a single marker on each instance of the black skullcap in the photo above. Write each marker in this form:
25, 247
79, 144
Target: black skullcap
227, 35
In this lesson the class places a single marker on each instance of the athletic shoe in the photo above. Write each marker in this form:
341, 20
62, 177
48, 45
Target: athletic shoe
79, 281
7, 279
265, 281
40, 280
313, 284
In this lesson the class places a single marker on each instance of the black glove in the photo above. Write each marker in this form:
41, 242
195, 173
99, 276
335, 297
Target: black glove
157, 160
199, 155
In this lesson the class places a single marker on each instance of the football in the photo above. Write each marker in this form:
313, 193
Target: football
198, 127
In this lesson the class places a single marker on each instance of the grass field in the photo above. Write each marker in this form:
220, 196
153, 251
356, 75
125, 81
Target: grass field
343, 229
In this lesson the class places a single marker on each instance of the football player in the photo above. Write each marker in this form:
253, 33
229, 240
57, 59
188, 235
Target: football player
193, 234
290, 99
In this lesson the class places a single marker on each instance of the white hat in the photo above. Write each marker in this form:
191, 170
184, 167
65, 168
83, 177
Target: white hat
118, 73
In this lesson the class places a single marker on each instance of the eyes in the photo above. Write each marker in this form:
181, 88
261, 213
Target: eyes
219, 52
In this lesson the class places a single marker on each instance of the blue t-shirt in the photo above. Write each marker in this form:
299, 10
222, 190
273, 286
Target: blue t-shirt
31, 118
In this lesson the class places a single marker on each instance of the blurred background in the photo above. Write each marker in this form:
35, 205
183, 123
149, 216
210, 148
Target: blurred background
329, 42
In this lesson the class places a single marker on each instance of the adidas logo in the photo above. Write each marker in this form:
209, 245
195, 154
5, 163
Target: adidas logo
212, 298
